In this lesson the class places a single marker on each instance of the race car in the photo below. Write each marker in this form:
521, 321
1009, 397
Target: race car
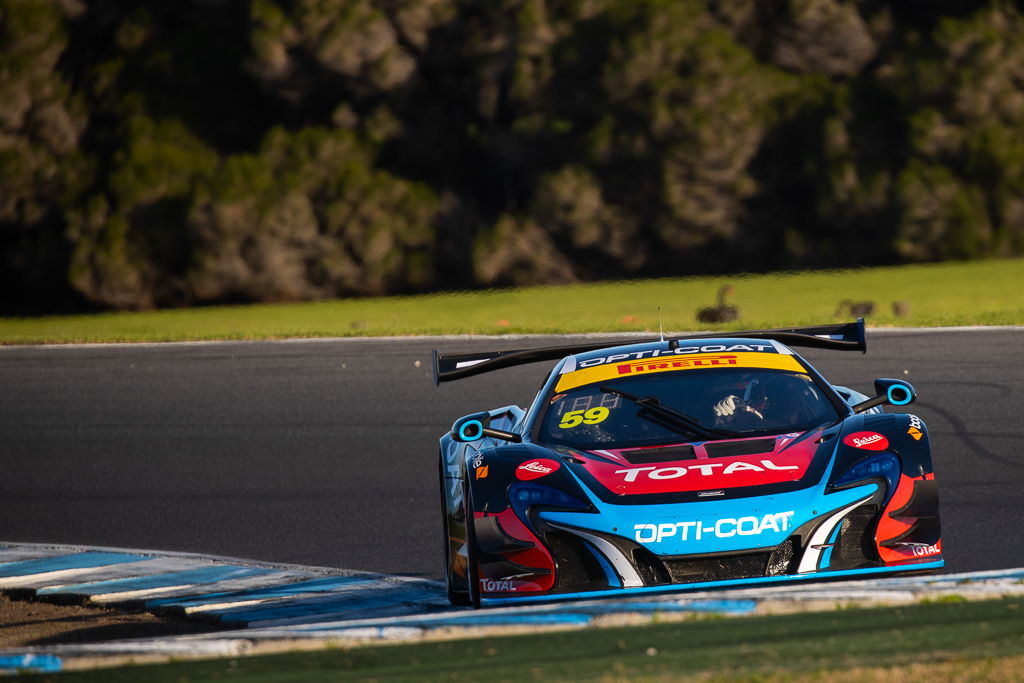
691, 462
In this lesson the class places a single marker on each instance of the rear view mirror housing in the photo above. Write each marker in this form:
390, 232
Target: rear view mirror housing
895, 392
477, 426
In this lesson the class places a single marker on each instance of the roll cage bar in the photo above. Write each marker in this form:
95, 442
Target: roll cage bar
839, 337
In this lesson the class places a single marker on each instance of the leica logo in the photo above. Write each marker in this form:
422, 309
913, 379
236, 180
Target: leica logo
534, 469
870, 441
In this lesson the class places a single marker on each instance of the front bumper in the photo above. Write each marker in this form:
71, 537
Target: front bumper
787, 537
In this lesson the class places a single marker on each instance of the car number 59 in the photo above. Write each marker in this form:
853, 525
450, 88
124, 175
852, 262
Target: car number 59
574, 418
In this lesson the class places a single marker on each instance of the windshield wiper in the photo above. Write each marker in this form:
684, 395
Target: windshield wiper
652, 409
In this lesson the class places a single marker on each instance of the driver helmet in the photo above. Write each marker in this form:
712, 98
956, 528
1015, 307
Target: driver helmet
784, 397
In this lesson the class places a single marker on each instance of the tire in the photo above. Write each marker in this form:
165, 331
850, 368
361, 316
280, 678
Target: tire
457, 596
472, 566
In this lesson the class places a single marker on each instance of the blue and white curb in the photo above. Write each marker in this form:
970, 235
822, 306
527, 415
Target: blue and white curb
257, 603
213, 589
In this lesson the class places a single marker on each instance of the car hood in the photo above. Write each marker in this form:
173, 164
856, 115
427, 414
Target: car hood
702, 466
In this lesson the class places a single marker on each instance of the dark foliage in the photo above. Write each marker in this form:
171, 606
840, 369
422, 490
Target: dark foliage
168, 154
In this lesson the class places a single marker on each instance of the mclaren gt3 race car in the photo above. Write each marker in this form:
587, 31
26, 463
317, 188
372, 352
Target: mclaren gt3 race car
683, 463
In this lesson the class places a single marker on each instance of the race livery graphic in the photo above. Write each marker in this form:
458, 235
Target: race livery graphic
680, 464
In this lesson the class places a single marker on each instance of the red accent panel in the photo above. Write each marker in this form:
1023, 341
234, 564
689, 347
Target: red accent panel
781, 466
889, 528
536, 557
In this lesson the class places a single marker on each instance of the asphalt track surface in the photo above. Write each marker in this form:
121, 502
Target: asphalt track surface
325, 452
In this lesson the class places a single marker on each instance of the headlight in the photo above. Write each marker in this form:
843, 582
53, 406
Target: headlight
884, 465
522, 496
533, 494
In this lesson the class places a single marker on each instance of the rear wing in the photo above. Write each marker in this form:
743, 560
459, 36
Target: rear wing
452, 366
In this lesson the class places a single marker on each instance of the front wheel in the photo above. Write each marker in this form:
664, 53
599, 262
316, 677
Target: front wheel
458, 594
472, 565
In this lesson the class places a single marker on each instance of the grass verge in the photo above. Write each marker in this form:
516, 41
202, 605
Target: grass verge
974, 293
933, 641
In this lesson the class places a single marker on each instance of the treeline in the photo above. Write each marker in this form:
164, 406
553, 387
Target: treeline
198, 151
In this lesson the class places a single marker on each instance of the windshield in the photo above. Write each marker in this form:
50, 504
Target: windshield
672, 407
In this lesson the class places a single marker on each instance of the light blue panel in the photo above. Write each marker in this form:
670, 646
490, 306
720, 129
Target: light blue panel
324, 605
826, 557
48, 664
324, 585
609, 573
511, 619
714, 606
712, 526
76, 561
562, 618
200, 575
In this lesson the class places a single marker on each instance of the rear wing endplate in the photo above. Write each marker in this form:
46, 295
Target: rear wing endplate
452, 366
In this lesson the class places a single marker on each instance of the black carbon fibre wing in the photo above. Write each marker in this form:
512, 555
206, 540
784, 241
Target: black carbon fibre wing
452, 366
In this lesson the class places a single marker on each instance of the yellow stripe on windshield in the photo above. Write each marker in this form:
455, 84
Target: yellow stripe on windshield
696, 361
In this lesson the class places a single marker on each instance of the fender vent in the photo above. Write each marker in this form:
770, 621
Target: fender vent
923, 503
925, 531
492, 539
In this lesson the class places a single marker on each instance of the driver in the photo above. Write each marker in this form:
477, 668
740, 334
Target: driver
780, 400
735, 413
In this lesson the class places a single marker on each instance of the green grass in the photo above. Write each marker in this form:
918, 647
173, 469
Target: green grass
974, 293
936, 641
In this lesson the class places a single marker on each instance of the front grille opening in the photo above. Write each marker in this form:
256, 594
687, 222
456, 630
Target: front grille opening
576, 567
718, 568
854, 545
642, 456
730, 449
771, 562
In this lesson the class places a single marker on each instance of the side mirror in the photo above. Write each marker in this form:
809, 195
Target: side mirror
476, 426
895, 392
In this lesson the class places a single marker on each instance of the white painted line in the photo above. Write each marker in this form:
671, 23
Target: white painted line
54, 578
221, 606
127, 570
